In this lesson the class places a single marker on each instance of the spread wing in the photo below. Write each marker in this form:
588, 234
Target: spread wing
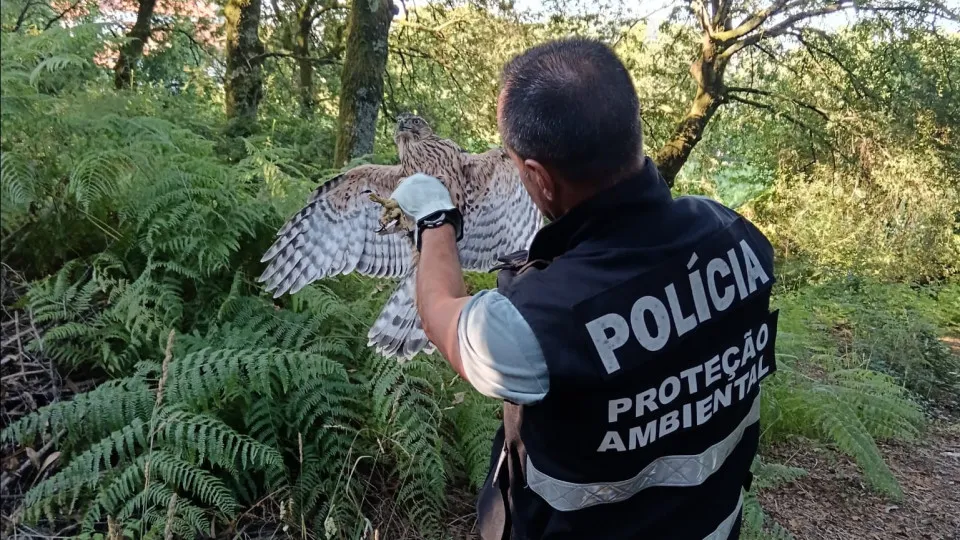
498, 215
335, 233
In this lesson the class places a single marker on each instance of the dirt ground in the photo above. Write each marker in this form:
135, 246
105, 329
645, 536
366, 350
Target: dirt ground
832, 502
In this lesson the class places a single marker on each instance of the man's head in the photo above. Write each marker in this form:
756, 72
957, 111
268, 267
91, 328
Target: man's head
570, 119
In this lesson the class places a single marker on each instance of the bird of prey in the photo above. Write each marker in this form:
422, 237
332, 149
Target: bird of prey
340, 230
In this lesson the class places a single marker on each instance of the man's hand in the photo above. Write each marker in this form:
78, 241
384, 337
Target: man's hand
427, 201
420, 196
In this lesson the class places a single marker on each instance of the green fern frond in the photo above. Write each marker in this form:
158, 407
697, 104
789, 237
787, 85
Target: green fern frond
98, 176
125, 484
820, 411
771, 475
215, 441
411, 421
89, 415
55, 63
192, 479
84, 471
157, 496
756, 525
200, 376
475, 423
17, 184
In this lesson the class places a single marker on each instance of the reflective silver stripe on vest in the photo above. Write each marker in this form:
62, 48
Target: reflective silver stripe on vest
723, 530
676, 471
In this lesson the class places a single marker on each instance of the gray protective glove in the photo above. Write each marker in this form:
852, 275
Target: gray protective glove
427, 201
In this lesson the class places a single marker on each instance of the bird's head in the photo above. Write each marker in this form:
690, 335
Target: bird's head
411, 127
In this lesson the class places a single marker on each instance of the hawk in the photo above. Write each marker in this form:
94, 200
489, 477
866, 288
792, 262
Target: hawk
339, 230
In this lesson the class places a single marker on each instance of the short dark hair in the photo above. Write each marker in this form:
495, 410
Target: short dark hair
571, 104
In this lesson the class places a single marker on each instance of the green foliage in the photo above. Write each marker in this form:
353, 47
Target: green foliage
263, 394
475, 421
756, 524
826, 392
409, 417
891, 328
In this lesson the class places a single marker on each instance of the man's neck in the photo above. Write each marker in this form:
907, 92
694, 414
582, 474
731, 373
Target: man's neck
576, 193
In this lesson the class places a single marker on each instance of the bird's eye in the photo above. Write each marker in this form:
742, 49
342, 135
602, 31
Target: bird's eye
417, 121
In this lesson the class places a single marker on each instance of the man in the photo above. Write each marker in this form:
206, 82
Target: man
627, 345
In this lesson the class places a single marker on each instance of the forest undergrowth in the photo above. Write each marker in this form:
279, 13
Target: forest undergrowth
132, 231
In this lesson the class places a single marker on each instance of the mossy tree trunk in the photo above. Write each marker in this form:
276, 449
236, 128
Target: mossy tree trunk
245, 53
708, 72
305, 20
361, 91
132, 50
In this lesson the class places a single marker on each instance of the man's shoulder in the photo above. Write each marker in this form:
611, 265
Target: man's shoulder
574, 275
501, 355
705, 205
717, 215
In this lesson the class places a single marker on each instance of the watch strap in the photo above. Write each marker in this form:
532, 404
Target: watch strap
438, 219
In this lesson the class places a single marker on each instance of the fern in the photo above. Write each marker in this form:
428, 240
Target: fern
847, 407
410, 420
98, 176
130, 220
475, 423
186, 452
756, 524
53, 64
213, 441
100, 411
99, 316
17, 184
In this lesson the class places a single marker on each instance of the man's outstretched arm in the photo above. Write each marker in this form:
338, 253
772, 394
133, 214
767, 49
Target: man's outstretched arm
441, 292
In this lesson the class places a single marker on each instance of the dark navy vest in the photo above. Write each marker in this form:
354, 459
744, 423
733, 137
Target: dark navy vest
653, 315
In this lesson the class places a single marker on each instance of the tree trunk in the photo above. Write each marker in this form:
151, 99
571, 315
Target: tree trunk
243, 83
302, 50
361, 81
707, 71
674, 153
132, 50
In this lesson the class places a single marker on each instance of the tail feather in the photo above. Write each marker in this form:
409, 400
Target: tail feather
398, 331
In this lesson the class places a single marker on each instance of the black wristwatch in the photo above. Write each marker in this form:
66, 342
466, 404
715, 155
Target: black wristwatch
438, 219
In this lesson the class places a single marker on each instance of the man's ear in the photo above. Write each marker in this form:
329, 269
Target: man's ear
544, 180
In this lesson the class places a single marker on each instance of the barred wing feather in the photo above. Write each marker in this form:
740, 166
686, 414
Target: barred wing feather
335, 233
498, 215
398, 330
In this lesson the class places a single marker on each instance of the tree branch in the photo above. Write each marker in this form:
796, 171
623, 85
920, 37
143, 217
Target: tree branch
937, 10
700, 11
413, 53
768, 53
327, 9
823, 114
721, 15
434, 30
782, 27
52, 21
771, 108
196, 44
315, 60
23, 14
753, 22
854, 80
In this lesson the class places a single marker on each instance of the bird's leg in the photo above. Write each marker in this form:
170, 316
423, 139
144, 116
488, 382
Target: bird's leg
391, 213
